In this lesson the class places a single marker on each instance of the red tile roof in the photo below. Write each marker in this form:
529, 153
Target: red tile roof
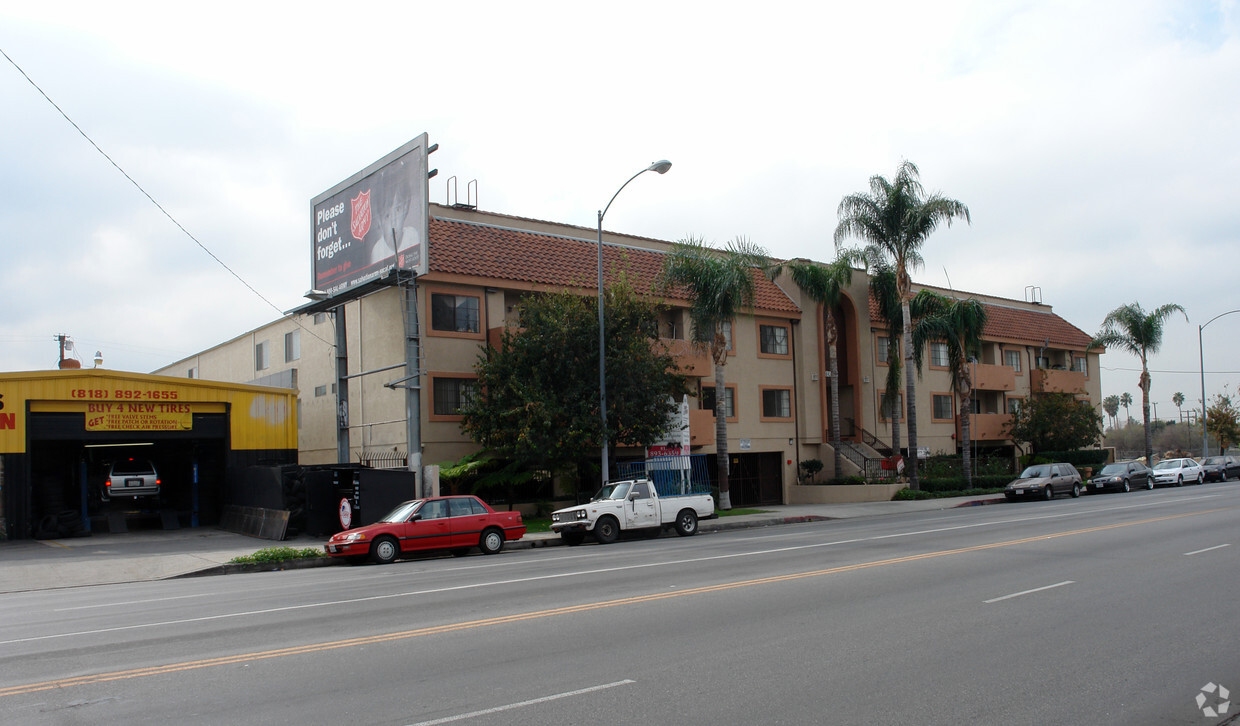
484, 251
1022, 325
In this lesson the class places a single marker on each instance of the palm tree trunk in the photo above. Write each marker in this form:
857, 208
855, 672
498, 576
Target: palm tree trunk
966, 402
721, 439
1145, 411
910, 403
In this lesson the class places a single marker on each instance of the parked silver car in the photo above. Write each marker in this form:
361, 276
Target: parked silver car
1177, 472
131, 477
1045, 480
1122, 475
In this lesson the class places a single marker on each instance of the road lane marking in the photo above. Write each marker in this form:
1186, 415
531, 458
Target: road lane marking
1208, 549
128, 602
1029, 592
523, 704
554, 612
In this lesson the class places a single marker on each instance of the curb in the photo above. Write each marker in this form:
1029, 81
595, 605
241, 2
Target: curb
980, 502
237, 568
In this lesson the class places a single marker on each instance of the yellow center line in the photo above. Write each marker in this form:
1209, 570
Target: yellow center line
552, 612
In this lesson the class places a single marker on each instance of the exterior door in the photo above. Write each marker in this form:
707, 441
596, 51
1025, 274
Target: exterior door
641, 509
466, 517
430, 528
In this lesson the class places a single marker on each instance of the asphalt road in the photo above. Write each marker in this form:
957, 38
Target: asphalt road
1112, 609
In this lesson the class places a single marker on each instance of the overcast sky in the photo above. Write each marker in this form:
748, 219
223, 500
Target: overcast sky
1095, 144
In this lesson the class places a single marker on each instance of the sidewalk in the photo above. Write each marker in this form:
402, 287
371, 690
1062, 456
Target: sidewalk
157, 555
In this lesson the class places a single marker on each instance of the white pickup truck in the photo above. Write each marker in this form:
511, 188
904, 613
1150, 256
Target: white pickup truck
631, 505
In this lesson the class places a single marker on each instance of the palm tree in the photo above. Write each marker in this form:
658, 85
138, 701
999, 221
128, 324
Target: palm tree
825, 285
883, 289
1110, 404
959, 324
719, 286
1130, 328
1125, 400
1178, 399
893, 221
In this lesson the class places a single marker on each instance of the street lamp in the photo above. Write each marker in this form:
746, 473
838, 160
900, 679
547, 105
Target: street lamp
1205, 441
661, 167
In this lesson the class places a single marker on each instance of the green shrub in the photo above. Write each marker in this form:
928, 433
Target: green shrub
909, 494
278, 554
1079, 458
957, 483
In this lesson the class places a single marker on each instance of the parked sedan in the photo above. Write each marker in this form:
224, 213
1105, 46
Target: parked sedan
1122, 475
1175, 472
455, 523
1220, 468
1046, 480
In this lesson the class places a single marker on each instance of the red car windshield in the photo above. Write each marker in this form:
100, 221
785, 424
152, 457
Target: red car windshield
403, 512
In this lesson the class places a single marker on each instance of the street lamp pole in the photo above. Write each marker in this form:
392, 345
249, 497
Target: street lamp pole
1201, 358
660, 167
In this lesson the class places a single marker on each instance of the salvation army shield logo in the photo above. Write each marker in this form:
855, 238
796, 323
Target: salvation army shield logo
360, 224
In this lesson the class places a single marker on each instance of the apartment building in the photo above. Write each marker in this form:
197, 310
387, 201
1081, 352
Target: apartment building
481, 265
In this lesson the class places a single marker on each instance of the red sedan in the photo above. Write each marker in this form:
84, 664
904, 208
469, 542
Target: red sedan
457, 523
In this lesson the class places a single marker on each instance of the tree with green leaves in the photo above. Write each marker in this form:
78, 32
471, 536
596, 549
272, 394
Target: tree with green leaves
893, 220
1110, 404
1055, 422
825, 284
719, 285
537, 394
1125, 400
1223, 422
958, 324
1178, 399
1132, 329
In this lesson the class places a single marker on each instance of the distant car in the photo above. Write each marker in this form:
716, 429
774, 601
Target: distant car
455, 523
1220, 468
1122, 475
131, 477
1177, 472
1046, 480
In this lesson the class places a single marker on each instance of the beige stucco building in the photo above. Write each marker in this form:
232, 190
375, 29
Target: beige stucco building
482, 264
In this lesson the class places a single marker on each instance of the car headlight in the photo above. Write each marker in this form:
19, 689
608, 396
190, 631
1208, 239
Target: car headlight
354, 537
581, 514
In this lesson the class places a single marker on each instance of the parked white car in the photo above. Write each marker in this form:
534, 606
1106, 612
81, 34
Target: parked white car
1177, 472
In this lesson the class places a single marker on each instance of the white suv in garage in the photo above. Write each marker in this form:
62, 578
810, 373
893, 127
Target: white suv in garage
131, 477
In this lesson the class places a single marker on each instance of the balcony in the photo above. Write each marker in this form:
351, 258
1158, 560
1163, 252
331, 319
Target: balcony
1051, 380
693, 361
989, 377
701, 427
986, 426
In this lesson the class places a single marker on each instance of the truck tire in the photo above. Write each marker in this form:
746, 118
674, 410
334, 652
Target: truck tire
606, 530
686, 523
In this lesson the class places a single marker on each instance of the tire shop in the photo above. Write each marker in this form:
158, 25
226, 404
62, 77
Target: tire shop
95, 450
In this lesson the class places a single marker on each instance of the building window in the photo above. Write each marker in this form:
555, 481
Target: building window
938, 355
776, 403
454, 313
262, 356
886, 411
882, 350
942, 407
707, 401
192, 373
1079, 364
450, 394
1011, 359
773, 339
292, 346
320, 391
320, 318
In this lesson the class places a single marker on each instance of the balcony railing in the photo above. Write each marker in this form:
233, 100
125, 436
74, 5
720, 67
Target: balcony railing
1050, 380
986, 426
693, 361
988, 377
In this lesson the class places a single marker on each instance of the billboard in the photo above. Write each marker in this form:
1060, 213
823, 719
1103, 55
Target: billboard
372, 223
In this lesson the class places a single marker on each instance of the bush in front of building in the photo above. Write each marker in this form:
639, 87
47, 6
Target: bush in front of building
278, 554
909, 494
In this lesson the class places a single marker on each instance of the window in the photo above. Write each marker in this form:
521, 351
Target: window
1079, 364
942, 407
454, 313
886, 411
938, 355
262, 357
729, 400
192, 373
1011, 359
292, 346
776, 403
882, 349
320, 318
773, 339
434, 509
320, 391
642, 490
450, 394
465, 507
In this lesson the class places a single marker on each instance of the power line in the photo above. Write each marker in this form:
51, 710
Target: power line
146, 194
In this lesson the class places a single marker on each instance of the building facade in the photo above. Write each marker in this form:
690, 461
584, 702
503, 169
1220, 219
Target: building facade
481, 266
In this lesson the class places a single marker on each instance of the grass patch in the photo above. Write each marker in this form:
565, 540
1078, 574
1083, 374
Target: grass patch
278, 554
739, 512
536, 524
